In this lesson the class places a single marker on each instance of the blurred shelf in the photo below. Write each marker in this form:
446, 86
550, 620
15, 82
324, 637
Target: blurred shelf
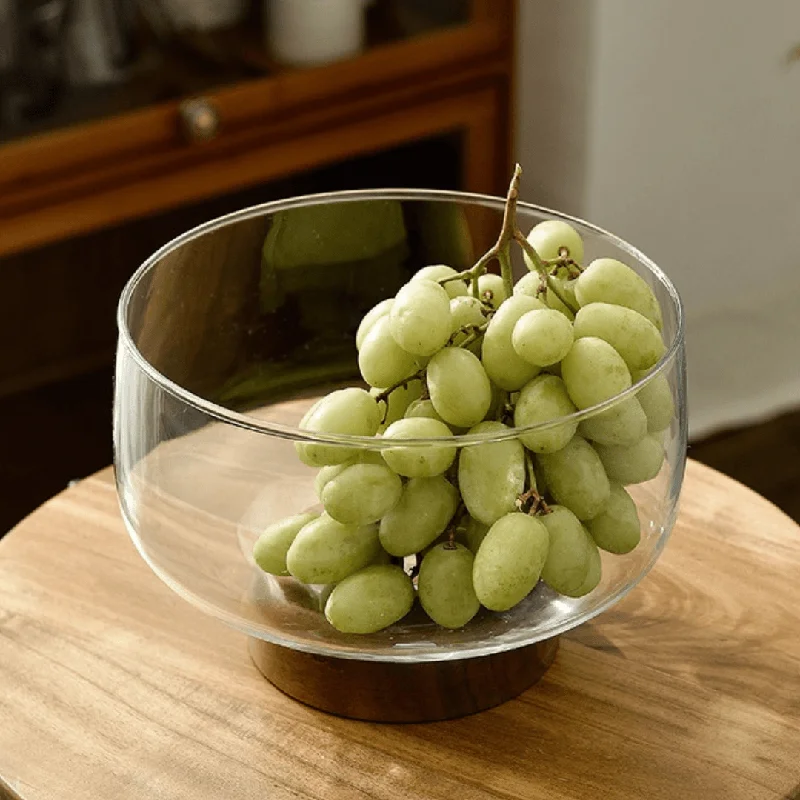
111, 154
197, 61
109, 176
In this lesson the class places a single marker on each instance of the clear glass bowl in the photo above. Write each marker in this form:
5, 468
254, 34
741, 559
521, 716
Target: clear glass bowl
231, 331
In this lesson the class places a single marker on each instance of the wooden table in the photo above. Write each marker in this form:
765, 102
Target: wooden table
113, 687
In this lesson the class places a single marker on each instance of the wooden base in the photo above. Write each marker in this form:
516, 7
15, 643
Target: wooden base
381, 691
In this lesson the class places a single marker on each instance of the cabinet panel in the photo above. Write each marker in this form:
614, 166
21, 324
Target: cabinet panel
155, 183
58, 303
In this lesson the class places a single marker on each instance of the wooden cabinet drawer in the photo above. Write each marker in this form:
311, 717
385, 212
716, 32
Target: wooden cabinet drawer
79, 179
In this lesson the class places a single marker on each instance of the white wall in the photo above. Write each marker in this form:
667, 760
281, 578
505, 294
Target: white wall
677, 126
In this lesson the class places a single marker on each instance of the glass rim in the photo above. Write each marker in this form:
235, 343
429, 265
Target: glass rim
253, 424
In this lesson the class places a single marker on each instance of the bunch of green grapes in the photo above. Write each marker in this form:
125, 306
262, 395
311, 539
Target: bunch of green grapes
481, 525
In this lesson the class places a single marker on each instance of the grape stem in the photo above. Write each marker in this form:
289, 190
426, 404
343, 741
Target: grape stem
504, 257
542, 269
383, 397
473, 332
530, 472
455, 522
459, 276
530, 501
574, 269
500, 251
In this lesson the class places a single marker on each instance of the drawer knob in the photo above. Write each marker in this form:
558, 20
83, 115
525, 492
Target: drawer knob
199, 119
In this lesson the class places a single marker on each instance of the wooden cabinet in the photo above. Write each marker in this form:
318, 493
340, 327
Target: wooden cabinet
87, 194
63, 183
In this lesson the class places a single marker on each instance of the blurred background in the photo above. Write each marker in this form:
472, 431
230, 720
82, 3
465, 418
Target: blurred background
673, 123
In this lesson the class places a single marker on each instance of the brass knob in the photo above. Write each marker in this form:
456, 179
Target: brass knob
199, 119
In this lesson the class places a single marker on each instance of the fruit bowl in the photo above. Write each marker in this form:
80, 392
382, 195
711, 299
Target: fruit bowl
229, 334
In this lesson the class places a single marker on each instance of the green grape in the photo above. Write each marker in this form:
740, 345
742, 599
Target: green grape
550, 236
501, 362
310, 413
445, 585
466, 311
438, 272
425, 507
420, 461
459, 387
420, 318
555, 302
593, 576
576, 478
607, 280
636, 464
381, 360
545, 398
491, 289
633, 336
593, 371
491, 476
529, 284
370, 600
370, 318
566, 287
623, 424
662, 437
270, 549
325, 551
328, 474
542, 337
440, 539
474, 533
569, 554
364, 456
397, 402
617, 528
509, 561
656, 401
345, 411
361, 494
424, 409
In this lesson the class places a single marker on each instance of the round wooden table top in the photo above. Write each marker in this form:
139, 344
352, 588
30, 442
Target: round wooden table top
113, 687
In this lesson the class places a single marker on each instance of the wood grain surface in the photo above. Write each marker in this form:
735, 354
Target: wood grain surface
111, 686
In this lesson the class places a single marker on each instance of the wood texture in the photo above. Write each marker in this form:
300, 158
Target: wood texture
688, 688
155, 183
381, 692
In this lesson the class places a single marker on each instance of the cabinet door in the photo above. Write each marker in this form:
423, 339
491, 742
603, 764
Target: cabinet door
88, 166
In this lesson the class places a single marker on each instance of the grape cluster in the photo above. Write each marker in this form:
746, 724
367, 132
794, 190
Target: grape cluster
480, 525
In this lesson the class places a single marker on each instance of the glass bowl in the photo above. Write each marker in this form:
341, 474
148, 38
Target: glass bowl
229, 333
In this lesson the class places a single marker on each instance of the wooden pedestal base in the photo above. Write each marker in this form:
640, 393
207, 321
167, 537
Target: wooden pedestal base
390, 692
